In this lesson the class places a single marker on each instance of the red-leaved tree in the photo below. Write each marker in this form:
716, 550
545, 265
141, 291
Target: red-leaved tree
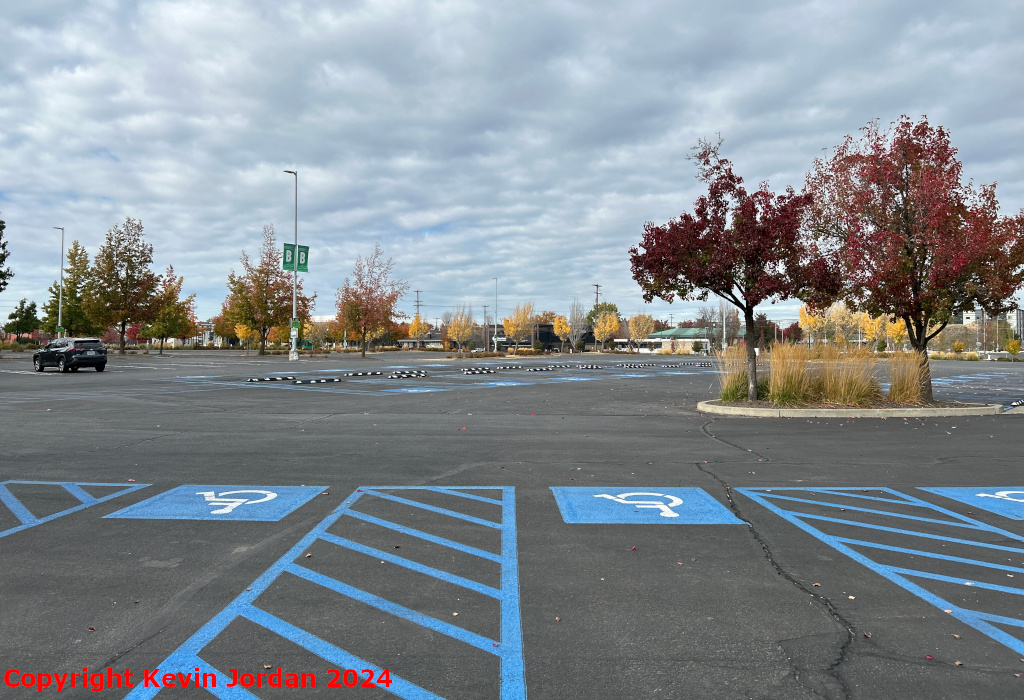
743, 247
911, 239
366, 302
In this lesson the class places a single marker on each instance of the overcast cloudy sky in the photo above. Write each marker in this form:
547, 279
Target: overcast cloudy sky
519, 140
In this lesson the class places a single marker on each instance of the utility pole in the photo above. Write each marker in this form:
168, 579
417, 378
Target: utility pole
483, 328
597, 294
672, 320
417, 301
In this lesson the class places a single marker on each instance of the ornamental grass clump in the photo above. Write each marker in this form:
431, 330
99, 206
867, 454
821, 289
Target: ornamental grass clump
732, 374
790, 382
906, 371
848, 378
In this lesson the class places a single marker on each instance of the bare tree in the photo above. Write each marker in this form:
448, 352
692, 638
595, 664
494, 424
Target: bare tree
577, 323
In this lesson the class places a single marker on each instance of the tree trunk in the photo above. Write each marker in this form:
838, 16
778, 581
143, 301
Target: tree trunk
926, 376
748, 317
123, 325
161, 347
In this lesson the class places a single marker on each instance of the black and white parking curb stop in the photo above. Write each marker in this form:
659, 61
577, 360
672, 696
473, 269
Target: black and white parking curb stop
637, 365
587, 367
478, 371
268, 379
540, 369
408, 375
362, 374
509, 367
316, 381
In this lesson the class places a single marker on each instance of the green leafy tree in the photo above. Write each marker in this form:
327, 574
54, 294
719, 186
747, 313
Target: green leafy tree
76, 322
172, 315
261, 297
121, 285
600, 309
22, 320
5, 272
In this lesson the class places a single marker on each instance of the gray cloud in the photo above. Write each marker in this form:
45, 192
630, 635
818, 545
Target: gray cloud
524, 141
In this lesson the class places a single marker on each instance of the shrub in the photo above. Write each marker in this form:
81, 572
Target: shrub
905, 371
958, 346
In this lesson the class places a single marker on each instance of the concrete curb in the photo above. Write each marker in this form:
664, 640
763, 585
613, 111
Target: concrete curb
715, 406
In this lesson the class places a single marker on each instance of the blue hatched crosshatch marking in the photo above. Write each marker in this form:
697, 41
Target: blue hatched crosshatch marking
785, 503
508, 648
27, 519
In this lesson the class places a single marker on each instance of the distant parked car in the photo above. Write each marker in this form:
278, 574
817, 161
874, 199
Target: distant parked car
71, 354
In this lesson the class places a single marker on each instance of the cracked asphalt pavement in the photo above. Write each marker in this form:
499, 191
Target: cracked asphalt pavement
770, 608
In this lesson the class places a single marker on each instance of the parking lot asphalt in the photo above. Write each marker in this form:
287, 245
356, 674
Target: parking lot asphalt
570, 533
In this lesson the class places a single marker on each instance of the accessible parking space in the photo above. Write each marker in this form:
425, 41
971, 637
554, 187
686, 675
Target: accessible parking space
453, 535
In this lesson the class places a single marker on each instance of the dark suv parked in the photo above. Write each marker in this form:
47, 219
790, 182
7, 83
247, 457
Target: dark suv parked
71, 354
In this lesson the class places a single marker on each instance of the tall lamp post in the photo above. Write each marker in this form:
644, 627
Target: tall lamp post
60, 290
495, 314
293, 353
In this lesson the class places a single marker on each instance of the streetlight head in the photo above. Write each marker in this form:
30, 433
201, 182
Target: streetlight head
59, 228
291, 172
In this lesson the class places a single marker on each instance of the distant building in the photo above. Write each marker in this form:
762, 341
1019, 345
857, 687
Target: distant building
1016, 319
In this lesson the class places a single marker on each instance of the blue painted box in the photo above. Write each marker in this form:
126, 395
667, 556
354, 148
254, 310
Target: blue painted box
205, 502
1001, 500
641, 506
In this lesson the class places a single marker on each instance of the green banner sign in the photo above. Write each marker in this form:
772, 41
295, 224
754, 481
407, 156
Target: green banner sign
288, 259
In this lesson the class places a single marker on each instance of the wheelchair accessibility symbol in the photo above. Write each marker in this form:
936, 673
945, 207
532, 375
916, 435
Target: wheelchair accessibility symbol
226, 505
650, 505
1007, 501
664, 506
221, 502
1005, 495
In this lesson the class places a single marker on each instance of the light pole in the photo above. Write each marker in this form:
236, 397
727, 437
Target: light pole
60, 290
293, 353
485, 325
495, 314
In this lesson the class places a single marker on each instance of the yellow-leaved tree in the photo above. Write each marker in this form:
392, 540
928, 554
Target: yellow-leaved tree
1012, 347
519, 324
640, 327
605, 327
896, 332
810, 322
244, 333
873, 328
419, 328
562, 329
460, 328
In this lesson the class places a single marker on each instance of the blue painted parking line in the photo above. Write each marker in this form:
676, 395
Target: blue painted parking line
641, 506
206, 502
1007, 501
27, 519
791, 502
508, 648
